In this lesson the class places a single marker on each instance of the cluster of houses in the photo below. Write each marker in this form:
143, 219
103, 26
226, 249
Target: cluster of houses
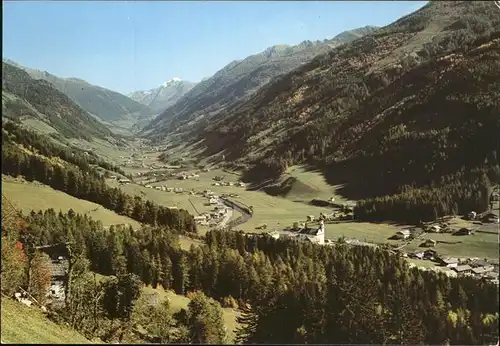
483, 269
185, 176
219, 181
475, 267
217, 215
163, 188
229, 183
414, 232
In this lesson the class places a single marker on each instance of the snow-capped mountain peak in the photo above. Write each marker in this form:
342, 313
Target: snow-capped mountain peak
171, 81
163, 96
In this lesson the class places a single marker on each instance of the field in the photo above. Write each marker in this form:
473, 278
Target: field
168, 199
370, 232
178, 302
28, 325
27, 196
110, 152
482, 245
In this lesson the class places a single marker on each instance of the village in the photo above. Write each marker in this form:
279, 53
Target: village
223, 208
418, 244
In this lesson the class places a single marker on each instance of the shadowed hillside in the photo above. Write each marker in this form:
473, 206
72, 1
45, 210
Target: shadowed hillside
401, 108
106, 104
26, 98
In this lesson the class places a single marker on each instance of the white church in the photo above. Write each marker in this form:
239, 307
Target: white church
314, 235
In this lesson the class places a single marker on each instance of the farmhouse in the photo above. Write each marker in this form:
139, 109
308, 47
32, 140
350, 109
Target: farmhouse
59, 263
463, 269
472, 215
403, 234
479, 263
429, 243
430, 254
200, 218
464, 231
482, 270
434, 229
419, 255
449, 262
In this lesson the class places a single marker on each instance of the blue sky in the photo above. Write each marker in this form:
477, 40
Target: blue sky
128, 46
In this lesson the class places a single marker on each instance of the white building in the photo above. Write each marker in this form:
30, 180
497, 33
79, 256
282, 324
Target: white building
404, 234
313, 235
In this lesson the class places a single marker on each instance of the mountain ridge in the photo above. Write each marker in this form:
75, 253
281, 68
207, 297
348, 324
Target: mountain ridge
240, 78
106, 104
160, 98
409, 98
24, 97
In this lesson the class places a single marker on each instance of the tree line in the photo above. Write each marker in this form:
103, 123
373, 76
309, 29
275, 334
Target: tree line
326, 294
89, 185
47, 147
458, 194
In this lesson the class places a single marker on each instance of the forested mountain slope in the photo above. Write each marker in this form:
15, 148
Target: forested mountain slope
26, 98
416, 104
106, 104
36, 157
239, 79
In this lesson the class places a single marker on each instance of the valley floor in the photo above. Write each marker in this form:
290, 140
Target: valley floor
293, 205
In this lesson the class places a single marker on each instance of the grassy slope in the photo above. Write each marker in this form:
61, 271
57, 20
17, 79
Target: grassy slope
300, 183
29, 196
22, 324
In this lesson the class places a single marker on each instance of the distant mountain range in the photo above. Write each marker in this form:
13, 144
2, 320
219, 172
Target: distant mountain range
164, 96
38, 103
108, 106
240, 79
